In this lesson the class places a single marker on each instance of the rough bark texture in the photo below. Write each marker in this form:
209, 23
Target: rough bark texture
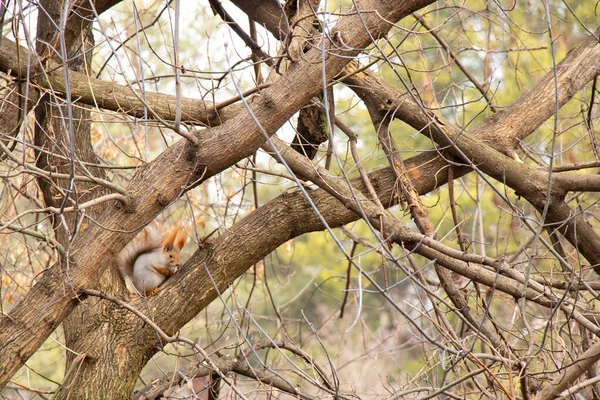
266, 13
55, 135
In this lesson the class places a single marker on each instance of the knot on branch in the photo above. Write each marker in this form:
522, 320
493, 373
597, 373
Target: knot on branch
129, 204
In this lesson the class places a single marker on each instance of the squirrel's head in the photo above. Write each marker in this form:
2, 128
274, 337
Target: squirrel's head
172, 245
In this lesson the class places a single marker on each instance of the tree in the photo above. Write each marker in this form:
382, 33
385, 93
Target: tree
501, 130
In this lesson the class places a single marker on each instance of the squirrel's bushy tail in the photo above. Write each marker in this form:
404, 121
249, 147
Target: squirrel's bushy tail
146, 241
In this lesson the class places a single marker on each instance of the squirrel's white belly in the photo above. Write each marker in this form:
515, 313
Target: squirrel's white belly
146, 279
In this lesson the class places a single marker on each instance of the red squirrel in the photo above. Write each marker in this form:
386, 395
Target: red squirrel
150, 258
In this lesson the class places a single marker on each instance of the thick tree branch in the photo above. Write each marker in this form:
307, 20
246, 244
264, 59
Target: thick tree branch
267, 13
570, 374
108, 95
502, 131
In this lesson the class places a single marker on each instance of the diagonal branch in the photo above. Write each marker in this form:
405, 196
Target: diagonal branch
107, 95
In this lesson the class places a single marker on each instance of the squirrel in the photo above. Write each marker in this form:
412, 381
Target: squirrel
150, 258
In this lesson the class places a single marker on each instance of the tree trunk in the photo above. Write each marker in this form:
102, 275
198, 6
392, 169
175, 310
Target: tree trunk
63, 131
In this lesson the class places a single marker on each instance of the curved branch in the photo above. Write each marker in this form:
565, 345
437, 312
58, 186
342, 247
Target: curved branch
570, 374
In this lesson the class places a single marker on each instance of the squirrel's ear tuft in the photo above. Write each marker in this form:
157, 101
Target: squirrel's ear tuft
169, 240
181, 239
